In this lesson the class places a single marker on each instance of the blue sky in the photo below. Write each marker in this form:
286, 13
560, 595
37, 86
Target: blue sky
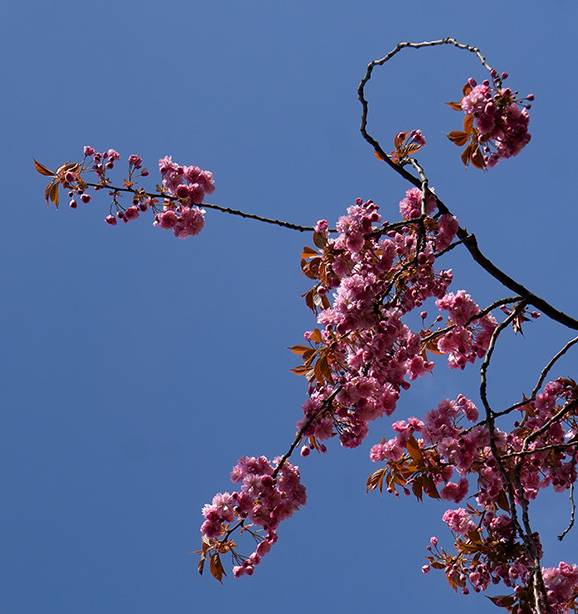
138, 368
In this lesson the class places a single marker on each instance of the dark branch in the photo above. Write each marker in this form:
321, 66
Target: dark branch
468, 239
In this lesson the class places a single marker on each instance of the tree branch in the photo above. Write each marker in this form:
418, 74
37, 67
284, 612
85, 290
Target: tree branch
468, 239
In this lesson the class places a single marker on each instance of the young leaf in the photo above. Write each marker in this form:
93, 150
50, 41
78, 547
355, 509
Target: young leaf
457, 137
307, 252
414, 449
217, 570
456, 106
316, 335
299, 349
42, 169
300, 370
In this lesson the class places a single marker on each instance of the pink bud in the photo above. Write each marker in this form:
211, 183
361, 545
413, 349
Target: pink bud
110, 219
305, 451
425, 569
131, 213
73, 204
144, 172
85, 198
88, 150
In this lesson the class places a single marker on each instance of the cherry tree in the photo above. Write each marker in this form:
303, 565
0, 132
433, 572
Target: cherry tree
369, 278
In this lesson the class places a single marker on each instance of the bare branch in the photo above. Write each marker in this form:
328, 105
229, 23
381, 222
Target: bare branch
549, 366
572, 514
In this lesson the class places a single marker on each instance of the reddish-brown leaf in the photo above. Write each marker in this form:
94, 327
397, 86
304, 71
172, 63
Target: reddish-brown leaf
399, 139
503, 601
414, 449
51, 192
469, 123
299, 349
456, 106
217, 570
430, 488
466, 154
315, 335
417, 488
477, 158
300, 370
307, 252
319, 240
375, 480
42, 169
203, 557
457, 137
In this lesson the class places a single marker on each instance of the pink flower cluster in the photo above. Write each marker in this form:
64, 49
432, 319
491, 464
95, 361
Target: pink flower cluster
500, 120
491, 551
369, 351
469, 336
183, 187
267, 496
188, 184
562, 587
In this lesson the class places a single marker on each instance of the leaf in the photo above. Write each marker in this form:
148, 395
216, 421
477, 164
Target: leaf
466, 155
315, 335
502, 601
319, 240
375, 480
414, 449
457, 137
201, 565
467, 89
307, 252
477, 159
42, 169
217, 570
51, 192
399, 139
417, 488
430, 488
456, 106
300, 370
469, 123
299, 349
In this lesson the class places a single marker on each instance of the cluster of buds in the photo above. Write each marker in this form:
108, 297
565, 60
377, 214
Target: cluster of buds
182, 188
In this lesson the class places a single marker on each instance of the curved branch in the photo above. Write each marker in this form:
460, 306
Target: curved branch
468, 239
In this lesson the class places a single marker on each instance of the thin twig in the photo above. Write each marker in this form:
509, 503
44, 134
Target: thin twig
228, 210
549, 366
490, 420
572, 514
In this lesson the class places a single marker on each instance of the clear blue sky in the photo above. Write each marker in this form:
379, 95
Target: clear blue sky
138, 368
